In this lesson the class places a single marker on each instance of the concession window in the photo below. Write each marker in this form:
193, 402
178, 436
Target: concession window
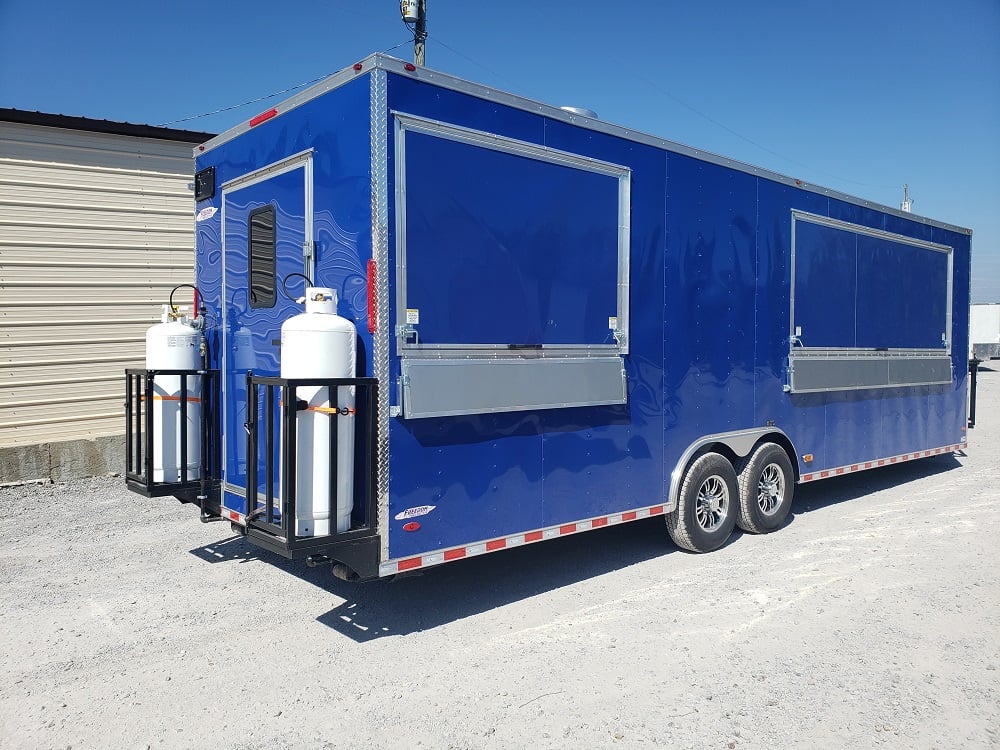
869, 309
511, 273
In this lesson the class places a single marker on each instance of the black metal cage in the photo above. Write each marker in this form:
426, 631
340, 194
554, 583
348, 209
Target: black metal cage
141, 430
272, 413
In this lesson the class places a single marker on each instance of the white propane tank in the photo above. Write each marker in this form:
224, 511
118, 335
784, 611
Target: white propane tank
320, 344
175, 344
244, 356
244, 360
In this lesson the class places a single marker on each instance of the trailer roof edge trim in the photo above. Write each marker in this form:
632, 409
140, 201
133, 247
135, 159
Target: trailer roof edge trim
379, 61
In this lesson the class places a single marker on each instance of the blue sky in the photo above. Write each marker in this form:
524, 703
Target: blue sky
859, 96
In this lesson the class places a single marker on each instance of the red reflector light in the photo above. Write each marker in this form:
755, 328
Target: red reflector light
411, 526
372, 307
263, 117
358, 66
410, 67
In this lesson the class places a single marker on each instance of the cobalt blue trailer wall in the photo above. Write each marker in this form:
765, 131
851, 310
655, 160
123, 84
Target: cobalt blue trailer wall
312, 168
495, 474
710, 295
565, 313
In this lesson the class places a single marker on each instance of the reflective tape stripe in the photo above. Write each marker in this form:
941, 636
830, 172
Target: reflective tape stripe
875, 463
428, 559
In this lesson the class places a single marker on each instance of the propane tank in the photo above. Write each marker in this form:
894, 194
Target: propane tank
244, 360
175, 344
320, 344
244, 356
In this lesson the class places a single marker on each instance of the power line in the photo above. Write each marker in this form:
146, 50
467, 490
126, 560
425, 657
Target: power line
752, 142
244, 104
492, 72
699, 113
264, 98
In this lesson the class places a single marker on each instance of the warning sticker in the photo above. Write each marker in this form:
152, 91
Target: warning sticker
412, 316
612, 323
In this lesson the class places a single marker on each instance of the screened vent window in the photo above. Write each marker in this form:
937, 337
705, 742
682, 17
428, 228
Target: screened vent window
262, 257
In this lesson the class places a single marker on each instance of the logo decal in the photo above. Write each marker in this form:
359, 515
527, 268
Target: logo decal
206, 213
420, 510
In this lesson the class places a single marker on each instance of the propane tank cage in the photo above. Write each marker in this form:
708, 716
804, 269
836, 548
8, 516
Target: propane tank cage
271, 524
141, 429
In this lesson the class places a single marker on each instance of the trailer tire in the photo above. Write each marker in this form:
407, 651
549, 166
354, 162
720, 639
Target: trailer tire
706, 505
766, 486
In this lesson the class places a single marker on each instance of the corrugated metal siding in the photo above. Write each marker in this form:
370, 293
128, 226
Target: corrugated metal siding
95, 230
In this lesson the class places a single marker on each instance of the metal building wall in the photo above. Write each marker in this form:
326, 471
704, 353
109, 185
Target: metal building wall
95, 229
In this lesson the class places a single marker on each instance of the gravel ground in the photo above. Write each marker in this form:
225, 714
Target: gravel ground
872, 619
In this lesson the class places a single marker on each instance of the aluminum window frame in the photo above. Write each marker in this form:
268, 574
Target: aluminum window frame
824, 369
879, 234
404, 123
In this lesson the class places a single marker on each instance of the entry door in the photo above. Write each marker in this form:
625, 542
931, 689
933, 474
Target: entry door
267, 229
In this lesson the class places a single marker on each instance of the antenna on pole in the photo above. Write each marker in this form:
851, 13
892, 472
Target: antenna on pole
907, 204
415, 12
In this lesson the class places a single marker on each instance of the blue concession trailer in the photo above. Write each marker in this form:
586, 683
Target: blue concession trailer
561, 324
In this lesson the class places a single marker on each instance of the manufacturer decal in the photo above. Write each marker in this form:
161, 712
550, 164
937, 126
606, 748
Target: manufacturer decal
206, 213
420, 510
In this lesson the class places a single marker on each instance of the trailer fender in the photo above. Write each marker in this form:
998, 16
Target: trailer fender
737, 444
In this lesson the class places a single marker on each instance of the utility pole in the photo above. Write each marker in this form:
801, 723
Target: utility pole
415, 12
421, 33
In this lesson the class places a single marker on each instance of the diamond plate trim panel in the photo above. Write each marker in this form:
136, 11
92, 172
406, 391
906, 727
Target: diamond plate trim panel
380, 252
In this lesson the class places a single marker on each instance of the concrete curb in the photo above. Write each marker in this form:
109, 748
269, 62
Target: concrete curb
62, 461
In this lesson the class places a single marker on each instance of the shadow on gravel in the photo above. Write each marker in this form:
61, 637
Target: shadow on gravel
231, 549
423, 600
415, 602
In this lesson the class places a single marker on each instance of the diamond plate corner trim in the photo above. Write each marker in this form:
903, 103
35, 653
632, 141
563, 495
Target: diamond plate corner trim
378, 112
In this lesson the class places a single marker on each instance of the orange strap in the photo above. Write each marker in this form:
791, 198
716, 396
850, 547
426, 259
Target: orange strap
333, 411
